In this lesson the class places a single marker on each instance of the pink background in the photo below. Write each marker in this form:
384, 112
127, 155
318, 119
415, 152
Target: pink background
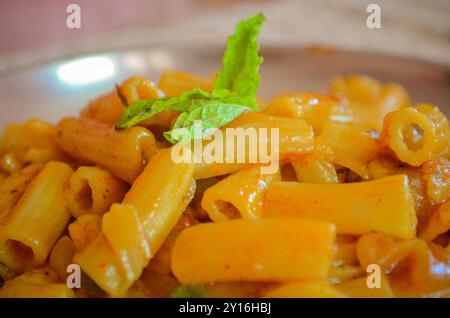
25, 24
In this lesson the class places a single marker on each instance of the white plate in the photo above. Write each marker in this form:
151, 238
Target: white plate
54, 90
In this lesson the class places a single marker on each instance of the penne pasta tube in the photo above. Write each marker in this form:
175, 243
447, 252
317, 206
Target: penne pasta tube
128, 242
31, 142
92, 190
355, 208
29, 231
100, 263
441, 125
304, 289
139, 87
123, 153
270, 250
159, 195
173, 83
104, 109
411, 135
107, 108
12, 188
296, 135
238, 195
314, 170
351, 146
369, 99
254, 136
316, 109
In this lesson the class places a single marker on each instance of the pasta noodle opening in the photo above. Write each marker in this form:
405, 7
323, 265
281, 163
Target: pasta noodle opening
83, 196
20, 252
228, 209
412, 136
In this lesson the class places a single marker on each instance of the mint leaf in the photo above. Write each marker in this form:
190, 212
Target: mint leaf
202, 121
241, 61
234, 91
144, 109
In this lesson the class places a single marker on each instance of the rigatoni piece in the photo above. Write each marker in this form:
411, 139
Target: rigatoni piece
173, 83
314, 108
369, 99
314, 169
100, 263
104, 109
267, 250
31, 142
128, 242
352, 147
441, 125
12, 188
296, 135
123, 153
159, 196
289, 137
238, 195
139, 87
304, 289
28, 232
411, 135
355, 208
92, 190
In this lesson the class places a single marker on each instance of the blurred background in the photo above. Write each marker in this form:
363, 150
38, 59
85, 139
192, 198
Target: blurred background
304, 43
417, 28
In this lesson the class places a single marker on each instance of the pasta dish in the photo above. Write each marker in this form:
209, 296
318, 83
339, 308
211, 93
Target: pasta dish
194, 187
